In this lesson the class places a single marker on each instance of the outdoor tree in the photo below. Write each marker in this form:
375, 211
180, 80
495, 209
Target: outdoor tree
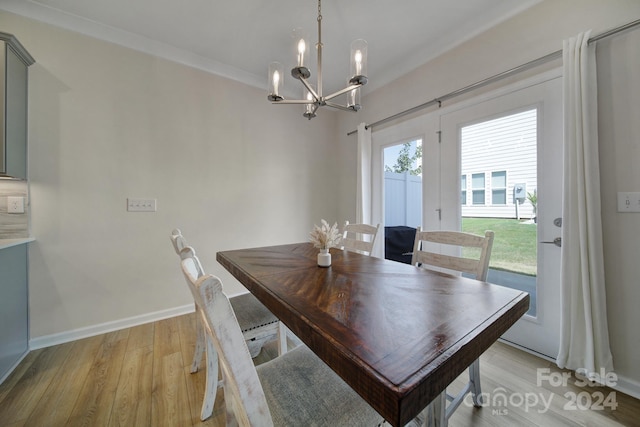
406, 160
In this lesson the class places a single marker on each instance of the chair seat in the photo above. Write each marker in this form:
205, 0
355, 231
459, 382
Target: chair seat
251, 313
301, 390
257, 323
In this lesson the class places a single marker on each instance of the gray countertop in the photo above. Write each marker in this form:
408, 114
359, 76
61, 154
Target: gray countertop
7, 243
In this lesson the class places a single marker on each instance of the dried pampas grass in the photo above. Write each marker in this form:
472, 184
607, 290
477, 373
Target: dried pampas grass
325, 236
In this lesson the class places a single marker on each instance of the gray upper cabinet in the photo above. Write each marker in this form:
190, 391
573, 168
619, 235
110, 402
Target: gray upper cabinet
14, 60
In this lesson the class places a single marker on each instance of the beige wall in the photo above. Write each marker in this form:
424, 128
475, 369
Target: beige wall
528, 36
619, 136
107, 123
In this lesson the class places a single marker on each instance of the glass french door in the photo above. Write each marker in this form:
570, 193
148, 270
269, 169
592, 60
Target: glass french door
504, 157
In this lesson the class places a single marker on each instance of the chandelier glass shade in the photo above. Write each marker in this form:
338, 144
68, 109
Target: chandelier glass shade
312, 96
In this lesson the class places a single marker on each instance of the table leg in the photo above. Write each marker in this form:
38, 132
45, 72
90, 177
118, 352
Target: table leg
435, 412
282, 338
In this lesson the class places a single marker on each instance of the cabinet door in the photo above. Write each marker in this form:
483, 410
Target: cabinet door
14, 314
16, 116
3, 111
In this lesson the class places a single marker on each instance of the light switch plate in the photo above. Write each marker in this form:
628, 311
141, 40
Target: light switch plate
628, 202
141, 205
15, 204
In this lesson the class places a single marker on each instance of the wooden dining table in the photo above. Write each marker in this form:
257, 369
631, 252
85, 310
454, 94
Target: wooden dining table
397, 334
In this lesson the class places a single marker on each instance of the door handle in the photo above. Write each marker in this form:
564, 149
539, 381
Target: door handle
557, 241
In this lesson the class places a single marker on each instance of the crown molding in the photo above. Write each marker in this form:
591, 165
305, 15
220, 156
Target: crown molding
57, 18
17, 47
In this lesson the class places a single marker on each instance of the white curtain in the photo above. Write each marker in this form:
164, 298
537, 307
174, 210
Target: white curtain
584, 337
363, 179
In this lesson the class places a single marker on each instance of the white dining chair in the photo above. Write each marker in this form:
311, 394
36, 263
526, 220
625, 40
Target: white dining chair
295, 389
427, 253
359, 237
257, 323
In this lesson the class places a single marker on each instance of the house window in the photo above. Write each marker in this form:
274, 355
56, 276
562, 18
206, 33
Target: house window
463, 194
499, 188
477, 188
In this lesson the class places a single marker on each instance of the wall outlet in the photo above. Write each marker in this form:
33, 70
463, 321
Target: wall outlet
15, 204
628, 202
141, 205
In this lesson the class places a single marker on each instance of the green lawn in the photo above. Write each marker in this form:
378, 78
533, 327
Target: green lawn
514, 244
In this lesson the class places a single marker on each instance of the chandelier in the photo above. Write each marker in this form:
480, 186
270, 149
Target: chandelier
313, 97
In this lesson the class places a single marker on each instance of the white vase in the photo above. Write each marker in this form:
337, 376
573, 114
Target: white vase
324, 258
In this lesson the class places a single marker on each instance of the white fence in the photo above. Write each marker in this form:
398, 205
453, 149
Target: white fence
402, 199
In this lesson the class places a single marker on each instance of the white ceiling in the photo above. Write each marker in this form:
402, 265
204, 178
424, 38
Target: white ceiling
238, 39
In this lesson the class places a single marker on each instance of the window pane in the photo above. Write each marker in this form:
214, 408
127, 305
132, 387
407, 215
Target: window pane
477, 185
403, 184
505, 148
477, 180
499, 188
499, 197
478, 197
499, 179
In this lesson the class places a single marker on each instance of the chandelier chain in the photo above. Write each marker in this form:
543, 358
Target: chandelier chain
319, 24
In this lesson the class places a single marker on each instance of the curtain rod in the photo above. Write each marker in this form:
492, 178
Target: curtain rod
496, 77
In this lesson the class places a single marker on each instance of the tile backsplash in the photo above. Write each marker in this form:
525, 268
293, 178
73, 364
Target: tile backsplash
14, 226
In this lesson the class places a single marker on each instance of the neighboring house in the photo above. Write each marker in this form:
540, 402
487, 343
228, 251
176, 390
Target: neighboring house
499, 167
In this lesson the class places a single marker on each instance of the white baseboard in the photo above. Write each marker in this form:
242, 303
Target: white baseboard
528, 350
628, 386
89, 331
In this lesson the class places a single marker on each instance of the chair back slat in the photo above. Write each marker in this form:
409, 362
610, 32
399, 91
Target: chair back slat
449, 262
356, 245
456, 238
479, 266
359, 237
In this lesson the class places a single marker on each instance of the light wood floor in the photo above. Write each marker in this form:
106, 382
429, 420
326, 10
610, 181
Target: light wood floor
140, 377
